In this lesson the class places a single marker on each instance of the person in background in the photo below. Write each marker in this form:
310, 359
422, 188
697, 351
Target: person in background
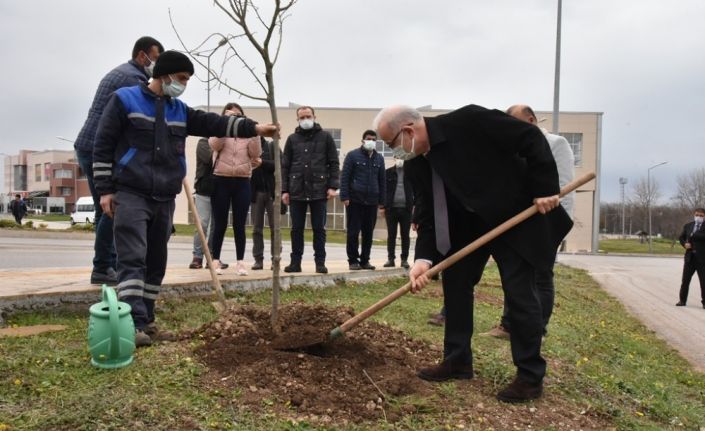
262, 200
234, 159
399, 201
137, 70
693, 241
565, 163
139, 165
310, 171
203, 189
18, 208
362, 191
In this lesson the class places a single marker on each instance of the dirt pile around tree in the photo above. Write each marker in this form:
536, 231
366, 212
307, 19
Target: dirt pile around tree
352, 378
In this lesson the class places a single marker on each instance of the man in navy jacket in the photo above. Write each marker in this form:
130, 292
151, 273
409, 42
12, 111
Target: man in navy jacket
138, 168
362, 191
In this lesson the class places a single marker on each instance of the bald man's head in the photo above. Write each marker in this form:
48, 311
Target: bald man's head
523, 113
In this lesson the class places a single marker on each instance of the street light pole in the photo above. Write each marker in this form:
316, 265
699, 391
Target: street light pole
557, 73
648, 199
622, 182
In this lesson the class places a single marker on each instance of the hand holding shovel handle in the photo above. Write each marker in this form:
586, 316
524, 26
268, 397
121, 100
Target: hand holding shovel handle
452, 259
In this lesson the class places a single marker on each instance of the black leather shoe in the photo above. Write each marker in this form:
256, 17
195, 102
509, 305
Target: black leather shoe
354, 267
293, 267
520, 391
367, 266
682, 304
109, 277
258, 265
389, 264
321, 269
446, 371
405, 264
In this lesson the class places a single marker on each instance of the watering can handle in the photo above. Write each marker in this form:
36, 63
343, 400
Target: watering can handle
110, 297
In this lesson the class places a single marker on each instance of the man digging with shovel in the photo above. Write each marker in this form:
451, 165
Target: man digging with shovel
472, 169
138, 167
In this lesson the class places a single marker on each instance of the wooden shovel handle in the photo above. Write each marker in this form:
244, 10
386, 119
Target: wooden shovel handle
455, 257
204, 244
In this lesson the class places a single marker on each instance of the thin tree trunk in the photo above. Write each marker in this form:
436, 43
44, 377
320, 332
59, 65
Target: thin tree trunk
276, 229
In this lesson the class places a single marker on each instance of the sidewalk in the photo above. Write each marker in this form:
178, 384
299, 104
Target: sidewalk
50, 288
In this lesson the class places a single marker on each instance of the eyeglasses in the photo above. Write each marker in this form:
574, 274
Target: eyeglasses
397, 135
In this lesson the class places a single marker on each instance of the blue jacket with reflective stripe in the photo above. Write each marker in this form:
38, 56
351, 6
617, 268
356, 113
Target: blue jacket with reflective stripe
141, 137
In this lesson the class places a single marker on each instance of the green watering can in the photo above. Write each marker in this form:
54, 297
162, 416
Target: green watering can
111, 332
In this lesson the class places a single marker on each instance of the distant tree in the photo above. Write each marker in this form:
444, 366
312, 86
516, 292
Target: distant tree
642, 197
690, 192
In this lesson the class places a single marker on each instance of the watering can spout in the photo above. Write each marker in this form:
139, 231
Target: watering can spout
111, 332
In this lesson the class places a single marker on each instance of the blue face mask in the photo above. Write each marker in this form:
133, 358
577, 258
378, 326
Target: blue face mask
174, 88
400, 153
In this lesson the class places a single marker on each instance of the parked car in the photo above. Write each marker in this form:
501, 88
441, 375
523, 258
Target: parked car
85, 211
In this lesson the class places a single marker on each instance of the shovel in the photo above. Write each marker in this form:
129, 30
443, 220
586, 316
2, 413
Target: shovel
452, 259
204, 244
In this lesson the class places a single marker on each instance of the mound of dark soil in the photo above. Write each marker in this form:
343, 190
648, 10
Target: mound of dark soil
352, 378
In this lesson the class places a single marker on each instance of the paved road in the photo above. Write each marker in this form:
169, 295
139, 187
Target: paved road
32, 252
648, 287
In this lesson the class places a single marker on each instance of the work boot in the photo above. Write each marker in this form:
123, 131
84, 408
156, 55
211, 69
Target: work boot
498, 331
354, 267
196, 263
258, 265
520, 391
405, 264
446, 371
142, 339
293, 267
321, 268
109, 277
151, 329
389, 263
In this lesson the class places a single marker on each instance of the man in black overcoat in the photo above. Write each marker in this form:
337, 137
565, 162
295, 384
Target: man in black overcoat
471, 170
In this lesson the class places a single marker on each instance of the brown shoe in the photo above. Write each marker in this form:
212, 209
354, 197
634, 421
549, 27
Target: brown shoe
498, 331
520, 391
446, 371
437, 320
196, 263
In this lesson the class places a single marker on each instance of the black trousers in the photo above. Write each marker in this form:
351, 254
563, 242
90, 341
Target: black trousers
262, 202
361, 218
141, 227
547, 294
521, 297
319, 211
401, 217
691, 265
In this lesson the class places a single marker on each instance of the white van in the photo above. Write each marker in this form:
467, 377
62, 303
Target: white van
85, 211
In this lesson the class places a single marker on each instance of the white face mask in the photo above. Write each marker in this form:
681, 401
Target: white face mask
400, 153
399, 164
369, 145
698, 219
174, 88
306, 124
150, 69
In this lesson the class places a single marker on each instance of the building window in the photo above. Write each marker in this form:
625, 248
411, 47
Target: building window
47, 171
37, 173
335, 133
384, 149
63, 173
65, 191
576, 144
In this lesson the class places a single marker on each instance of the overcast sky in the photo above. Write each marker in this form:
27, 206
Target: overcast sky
640, 62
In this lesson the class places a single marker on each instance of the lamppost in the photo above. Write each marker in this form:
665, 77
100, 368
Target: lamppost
622, 183
557, 73
208, 53
648, 199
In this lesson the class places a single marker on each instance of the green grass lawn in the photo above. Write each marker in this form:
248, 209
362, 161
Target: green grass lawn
658, 245
602, 362
50, 217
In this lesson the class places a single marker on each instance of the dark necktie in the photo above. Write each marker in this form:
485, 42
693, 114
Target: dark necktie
695, 228
440, 214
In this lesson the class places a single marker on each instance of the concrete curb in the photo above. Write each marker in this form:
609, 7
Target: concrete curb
79, 299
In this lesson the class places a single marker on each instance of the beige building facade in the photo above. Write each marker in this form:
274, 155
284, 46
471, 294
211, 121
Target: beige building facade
582, 129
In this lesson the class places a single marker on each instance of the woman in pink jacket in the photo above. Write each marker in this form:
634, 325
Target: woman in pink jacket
233, 161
